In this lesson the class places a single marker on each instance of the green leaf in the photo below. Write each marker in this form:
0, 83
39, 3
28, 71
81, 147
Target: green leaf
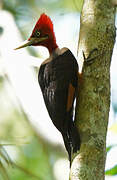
110, 147
3, 172
112, 171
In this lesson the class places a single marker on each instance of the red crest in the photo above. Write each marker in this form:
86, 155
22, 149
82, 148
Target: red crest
44, 22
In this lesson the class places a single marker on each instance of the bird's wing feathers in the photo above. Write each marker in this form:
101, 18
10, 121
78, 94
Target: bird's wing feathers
58, 82
70, 99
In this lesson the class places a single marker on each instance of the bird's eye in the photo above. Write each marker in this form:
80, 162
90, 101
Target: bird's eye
37, 33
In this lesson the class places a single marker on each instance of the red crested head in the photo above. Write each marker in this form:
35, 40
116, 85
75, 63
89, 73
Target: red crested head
44, 23
42, 35
43, 31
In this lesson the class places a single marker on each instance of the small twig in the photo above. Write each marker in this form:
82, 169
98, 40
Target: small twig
89, 60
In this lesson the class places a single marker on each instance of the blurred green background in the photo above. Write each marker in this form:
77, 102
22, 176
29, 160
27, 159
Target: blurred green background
28, 151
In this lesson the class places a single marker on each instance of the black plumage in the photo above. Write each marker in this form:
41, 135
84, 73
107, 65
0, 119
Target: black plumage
55, 79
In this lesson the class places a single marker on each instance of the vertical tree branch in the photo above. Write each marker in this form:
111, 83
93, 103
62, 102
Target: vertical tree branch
97, 31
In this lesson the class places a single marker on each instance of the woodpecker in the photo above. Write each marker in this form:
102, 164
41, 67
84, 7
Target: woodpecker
58, 79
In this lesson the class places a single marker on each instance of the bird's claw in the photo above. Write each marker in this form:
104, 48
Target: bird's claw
89, 59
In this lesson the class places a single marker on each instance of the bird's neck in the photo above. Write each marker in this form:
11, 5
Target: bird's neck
53, 55
56, 52
52, 48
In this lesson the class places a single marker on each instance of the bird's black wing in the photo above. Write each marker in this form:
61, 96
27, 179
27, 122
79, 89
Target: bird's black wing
58, 82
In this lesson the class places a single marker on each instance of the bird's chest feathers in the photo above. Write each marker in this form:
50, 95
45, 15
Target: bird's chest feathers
53, 74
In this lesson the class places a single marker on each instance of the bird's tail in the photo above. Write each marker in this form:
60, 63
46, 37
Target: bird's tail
71, 138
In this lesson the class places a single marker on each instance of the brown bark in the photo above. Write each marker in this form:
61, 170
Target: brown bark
92, 111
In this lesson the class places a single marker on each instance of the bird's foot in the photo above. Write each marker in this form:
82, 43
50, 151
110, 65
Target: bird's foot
89, 60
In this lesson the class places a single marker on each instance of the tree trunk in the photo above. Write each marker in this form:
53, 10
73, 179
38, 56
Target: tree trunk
92, 110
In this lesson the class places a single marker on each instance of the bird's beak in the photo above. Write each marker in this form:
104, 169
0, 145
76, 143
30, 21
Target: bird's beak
25, 44
31, 41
